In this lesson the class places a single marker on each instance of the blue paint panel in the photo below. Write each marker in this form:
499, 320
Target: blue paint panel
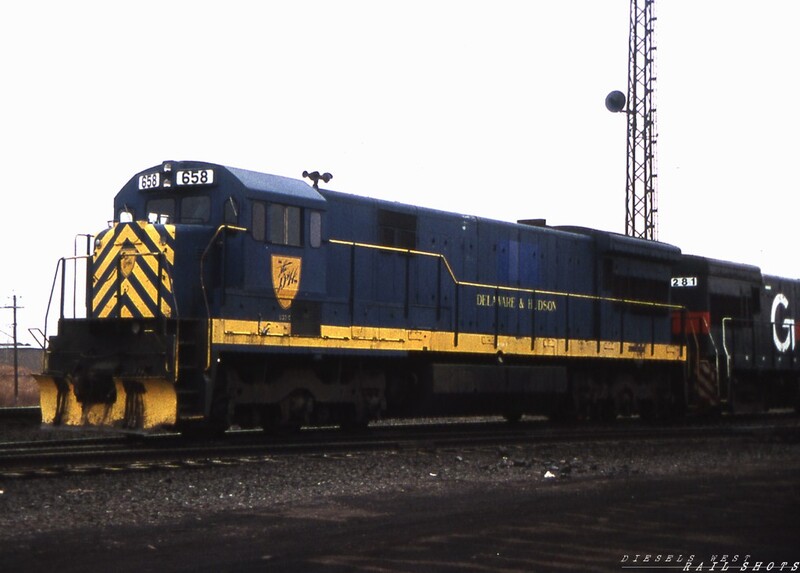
362, 286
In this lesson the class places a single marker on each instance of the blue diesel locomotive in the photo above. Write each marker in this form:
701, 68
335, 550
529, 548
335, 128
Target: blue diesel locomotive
220, 296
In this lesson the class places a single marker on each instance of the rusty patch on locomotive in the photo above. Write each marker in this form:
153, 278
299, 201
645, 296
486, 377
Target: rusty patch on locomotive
286, 278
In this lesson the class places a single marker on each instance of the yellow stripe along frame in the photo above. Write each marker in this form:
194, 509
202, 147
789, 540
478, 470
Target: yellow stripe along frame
278, 335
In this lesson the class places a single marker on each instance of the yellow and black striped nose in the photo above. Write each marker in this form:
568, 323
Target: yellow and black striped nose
132, 270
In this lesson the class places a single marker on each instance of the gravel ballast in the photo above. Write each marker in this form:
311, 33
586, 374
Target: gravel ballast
152, 501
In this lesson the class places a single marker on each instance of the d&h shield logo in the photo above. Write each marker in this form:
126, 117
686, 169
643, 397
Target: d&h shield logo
127, 259
286, 278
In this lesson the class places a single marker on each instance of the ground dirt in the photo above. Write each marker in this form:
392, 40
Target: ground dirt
535, 508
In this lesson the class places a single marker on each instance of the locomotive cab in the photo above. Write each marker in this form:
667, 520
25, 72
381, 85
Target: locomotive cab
192, 246
741, 332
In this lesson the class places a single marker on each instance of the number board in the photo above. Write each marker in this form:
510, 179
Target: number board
683, 282
149, 181
195, 177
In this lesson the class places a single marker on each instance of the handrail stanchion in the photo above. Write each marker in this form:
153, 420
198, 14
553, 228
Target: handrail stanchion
63, 286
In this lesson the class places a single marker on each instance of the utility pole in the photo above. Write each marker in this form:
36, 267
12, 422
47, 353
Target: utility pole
16, 349
641, 206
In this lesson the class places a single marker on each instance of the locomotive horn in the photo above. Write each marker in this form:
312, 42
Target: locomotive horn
615, 101
315, 177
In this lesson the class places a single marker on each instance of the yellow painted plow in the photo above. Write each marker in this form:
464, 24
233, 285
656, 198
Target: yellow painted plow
137, 403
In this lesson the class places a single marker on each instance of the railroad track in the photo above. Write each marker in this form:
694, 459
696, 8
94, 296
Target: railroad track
136, 453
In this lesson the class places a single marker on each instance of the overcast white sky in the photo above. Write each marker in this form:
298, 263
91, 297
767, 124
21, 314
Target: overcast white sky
486, 108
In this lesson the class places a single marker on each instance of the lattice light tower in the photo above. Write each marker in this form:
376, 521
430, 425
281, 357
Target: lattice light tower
641, 206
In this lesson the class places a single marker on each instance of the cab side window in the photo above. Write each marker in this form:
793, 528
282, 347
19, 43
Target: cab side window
161, 211
196, 210
258, 227
315, 230
284, 224
231, 212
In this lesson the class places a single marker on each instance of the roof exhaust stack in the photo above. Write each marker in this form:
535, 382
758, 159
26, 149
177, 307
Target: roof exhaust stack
533, 222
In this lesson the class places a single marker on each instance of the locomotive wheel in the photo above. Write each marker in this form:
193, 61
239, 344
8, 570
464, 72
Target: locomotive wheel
296, 409
606, 410
355, 427
797, 397
648, 411
625, 403
219, 420
657, 405
748, 397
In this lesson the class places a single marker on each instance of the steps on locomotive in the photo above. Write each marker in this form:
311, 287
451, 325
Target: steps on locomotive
191, 364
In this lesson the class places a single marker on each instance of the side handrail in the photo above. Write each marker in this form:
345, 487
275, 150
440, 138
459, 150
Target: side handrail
88, 238
716, 349
60, 266
728, 355
203, 289
713, 342
693, 333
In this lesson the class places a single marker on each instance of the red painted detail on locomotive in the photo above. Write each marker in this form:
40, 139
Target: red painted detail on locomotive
689, 322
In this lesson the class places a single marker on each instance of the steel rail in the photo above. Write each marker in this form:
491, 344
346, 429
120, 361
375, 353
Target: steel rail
48, 458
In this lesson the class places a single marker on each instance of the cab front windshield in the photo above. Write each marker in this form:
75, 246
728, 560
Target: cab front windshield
190, 210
